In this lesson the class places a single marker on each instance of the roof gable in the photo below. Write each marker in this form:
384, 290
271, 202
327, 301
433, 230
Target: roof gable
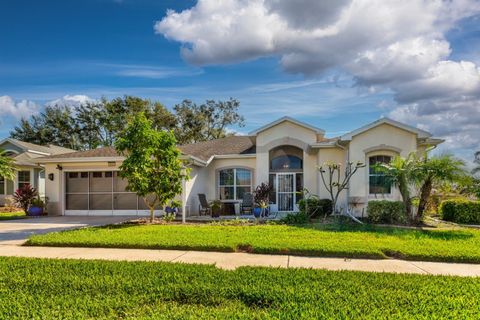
421, 134
35, 148
287, 119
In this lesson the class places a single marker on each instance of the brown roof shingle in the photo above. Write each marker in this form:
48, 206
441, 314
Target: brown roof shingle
202, 150
229, 145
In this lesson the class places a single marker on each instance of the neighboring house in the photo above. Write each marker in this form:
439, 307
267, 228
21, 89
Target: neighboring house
28, 169
285, 153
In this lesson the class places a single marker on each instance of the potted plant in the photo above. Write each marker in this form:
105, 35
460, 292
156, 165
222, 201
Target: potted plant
216, 207
261, 198
171, 211
24, 196
36, 207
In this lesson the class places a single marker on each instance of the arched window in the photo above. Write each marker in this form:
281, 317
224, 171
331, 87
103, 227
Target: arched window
378, 181
286, 162
233, 183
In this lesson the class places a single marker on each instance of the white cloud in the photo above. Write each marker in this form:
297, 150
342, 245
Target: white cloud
17, 109
397, 45
70, 100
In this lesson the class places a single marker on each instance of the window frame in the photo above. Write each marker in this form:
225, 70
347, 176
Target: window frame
23, 182
235, 185
378, 174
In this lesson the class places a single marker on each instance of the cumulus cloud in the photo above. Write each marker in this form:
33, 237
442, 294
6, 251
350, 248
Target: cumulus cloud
70, 100
17, 109
398, 45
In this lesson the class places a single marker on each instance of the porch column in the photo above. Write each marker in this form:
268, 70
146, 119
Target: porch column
184, 195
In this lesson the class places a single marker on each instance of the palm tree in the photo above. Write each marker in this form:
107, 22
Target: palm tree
431, 171
477, 162
7, 167
399, 171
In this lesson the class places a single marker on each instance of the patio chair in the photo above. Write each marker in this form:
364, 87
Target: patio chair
203, 208
247, 203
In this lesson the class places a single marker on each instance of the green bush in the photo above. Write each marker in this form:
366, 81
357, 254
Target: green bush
315, 207
295, 218
384, 211
460, 211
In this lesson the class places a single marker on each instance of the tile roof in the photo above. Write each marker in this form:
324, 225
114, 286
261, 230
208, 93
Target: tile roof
50, 149
202, 150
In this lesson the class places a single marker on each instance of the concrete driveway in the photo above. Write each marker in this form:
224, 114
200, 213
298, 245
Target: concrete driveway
13, 232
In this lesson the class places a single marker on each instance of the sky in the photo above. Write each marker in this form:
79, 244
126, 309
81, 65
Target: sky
336, 64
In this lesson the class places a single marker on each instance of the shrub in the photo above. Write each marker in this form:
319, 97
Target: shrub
295, 218
460, 211
24, 197
384, 211
315, 207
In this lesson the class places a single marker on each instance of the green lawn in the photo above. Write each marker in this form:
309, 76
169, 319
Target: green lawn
314, 240
12, 215
75, 289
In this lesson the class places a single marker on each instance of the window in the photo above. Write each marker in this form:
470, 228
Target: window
2, 185
23, 178
234, 183
379, 183
286, 162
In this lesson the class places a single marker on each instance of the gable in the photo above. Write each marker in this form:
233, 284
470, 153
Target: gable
7, 145
286, 129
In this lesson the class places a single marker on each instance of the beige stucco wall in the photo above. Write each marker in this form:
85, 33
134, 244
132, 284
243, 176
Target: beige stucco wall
382, 140
286, 129
336, 155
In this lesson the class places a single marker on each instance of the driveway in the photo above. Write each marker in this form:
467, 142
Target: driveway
13, 232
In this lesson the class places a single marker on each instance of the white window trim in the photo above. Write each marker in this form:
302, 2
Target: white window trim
235, 186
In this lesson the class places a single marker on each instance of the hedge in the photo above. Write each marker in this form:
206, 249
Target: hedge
384, 211
316, 207
460, 211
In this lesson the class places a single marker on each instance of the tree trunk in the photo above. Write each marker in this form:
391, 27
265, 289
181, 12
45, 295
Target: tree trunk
152, 214
424, 195
406, 198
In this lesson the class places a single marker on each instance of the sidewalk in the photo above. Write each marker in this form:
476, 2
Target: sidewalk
230, 261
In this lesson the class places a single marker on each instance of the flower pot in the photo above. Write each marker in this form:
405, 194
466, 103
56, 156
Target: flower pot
257, 212
35, 211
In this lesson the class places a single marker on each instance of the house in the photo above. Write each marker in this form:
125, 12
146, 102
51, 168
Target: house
285, 153
29, 171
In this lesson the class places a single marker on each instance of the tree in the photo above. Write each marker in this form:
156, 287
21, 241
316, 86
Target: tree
477, 162
434, 170
152, 166
7, 167
335, 184
55, 125
207, 121
399, 171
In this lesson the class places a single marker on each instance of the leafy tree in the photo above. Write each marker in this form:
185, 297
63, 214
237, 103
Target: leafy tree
55, 125
400, 173
7, 167
206, 121
477, 162
330, 173
152, 166
434, 170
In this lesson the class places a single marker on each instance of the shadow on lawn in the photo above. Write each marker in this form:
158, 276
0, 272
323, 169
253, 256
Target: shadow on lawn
391, 231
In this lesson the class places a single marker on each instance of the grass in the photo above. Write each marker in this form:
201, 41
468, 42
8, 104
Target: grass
75, 289
12, 215
462, 245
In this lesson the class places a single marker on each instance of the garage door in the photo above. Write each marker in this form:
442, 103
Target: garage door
100, 193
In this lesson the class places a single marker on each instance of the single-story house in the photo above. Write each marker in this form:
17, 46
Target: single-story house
285, 153
29, 171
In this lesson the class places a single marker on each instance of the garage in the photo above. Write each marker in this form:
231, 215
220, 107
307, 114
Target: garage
100, 193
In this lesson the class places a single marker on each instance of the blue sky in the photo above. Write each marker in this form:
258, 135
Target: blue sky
51, 49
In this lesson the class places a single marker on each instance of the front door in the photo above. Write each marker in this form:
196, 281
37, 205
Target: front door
286, 191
